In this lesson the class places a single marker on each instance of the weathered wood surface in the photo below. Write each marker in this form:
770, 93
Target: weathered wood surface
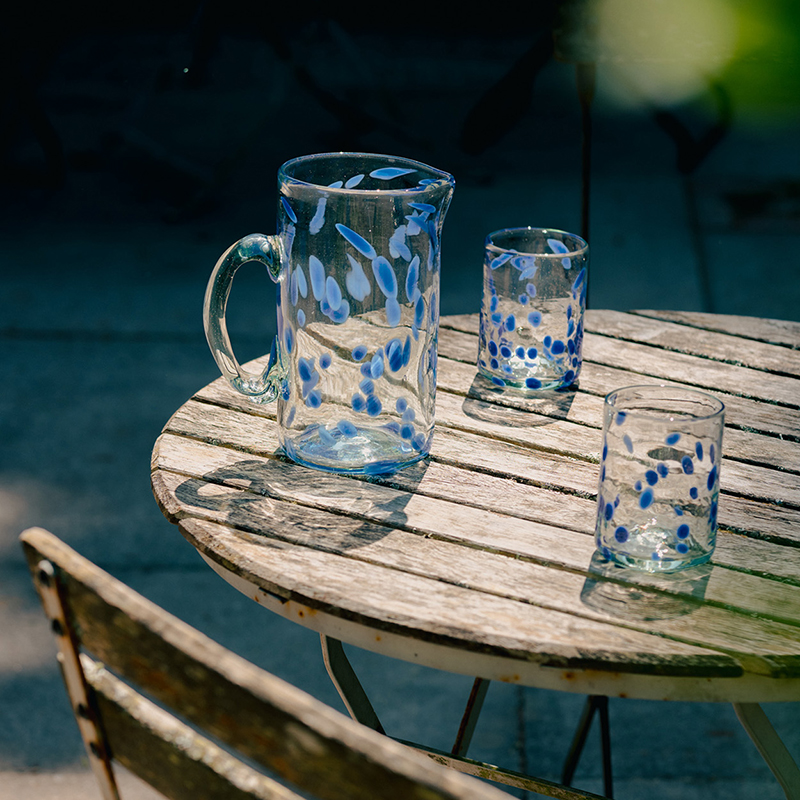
488, 545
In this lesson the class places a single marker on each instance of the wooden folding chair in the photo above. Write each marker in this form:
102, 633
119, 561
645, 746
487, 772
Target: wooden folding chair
196, 721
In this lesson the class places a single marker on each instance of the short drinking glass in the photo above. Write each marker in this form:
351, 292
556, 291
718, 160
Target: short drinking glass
534, 299
659, 477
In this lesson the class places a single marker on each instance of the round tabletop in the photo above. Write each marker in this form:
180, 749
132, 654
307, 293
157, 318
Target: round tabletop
481, 560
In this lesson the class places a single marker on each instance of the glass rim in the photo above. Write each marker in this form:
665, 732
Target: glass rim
581, 250
608, 402
442, 178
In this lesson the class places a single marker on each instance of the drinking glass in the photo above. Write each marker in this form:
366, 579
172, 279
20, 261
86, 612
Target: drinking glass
534, 299
659, 477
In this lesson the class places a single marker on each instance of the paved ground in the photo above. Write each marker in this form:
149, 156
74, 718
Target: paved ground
100, 340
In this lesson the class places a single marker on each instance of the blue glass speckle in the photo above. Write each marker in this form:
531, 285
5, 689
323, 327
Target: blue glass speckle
314, 399
621, 534
620, 418
419, 311
672, 438
359, 351
533, 383
638, 486
712, 452
351, 183
682, 548
407, 431
384, 275
505, 351
497, 317
289, 210
393, 313
493, 302
523, 298
301, 317
358, 402
500, 260
374, 406
520, 352
609, 512
646, 498
571, 347
317, 272
578, 284
358, 241
288, 339
531, 289
290, 417
532, 353
367, 386
346, 428
325, 436
425, 207
305, 368
687, 465
376, 367
409, 415
494, 363
401, 405
662, 469
498, 381
605, 451
558, 347
492, 347
678, 511
325, 360
698, 449
683, 531
333, 293
293, 293
412, 276
628, 443
569, 377
535, 318
693, 493
511, 322
407, 351
651, 476
712, 478
547, 341
387, 173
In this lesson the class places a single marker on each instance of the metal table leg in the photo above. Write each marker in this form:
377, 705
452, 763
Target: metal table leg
772, 749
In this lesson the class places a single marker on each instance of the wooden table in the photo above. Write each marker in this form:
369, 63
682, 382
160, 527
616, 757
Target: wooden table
481, 559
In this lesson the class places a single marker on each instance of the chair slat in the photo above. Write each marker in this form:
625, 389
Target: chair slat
173, 758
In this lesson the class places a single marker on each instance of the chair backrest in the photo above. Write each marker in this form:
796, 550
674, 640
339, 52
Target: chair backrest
159, 697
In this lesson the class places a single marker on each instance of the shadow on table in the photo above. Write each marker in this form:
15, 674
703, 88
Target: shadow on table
640, 596
489, 403
275, 497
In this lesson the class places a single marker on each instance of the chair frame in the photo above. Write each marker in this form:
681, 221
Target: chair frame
206, 721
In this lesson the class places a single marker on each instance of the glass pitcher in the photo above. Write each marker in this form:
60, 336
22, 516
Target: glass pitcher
356, 262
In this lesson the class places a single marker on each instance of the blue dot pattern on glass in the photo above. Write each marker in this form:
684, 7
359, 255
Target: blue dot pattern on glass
672, 438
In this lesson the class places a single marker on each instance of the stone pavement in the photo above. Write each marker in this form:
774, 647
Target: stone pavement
101, 340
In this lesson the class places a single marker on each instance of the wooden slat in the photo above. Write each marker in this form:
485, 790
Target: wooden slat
262, 717
731, 349
167, 754
775, 331
422, 515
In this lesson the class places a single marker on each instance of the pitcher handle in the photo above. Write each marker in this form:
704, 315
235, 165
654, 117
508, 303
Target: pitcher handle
267, 250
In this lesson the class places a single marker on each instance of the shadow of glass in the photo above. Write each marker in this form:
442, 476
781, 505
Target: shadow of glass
484, 398
621, 593
279, 499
